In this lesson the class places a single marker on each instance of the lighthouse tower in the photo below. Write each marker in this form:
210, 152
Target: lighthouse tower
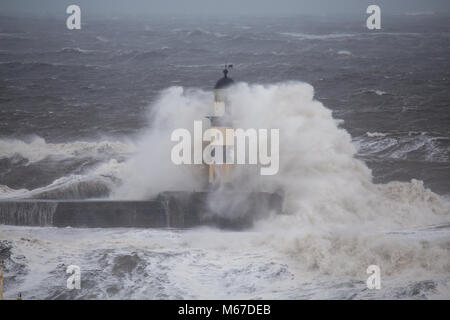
220, 173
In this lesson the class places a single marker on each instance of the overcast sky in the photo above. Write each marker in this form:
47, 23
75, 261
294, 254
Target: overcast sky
222, 7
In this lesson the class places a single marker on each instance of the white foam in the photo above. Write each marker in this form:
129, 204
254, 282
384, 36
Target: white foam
337, 218
309, 36
375, 134
37, 149
344, 53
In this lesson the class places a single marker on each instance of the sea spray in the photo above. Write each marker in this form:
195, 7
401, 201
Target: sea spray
151, 170
338, 221
322, 179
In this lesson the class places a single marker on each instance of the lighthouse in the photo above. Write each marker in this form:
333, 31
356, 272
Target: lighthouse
221, 120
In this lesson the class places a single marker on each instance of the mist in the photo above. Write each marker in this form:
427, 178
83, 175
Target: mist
117, 8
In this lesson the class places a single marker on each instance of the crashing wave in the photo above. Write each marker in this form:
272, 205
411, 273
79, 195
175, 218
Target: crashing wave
37, 149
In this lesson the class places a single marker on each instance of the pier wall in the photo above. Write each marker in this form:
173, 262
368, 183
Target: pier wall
168, 210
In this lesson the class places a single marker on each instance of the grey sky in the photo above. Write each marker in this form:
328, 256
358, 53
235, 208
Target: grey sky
222, 7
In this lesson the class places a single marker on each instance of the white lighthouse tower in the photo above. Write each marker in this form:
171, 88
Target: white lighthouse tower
220, 173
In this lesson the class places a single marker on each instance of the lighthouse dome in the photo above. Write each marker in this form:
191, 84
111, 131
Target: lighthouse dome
224, 82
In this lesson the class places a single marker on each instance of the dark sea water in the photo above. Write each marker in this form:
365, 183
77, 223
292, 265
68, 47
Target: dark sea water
71, 101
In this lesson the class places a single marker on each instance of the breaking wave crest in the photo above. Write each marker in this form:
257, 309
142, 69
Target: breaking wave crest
36, 149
